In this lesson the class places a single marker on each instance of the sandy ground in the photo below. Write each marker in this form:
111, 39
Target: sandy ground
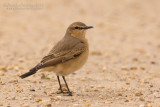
123, 69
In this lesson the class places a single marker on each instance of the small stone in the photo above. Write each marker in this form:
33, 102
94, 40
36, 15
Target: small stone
13, 98
141, 99
88, 105
59, 97
3, 68
119, 94
95, 90
156, 95
151, 101
153, 62
133, 68
141, 105
135, 59
138, 93
32, 89
127, 83
9, 90
151, 85
38, 100
142, 68
88, 72
25, 98
92, 86
35, 82
19, 90
64, 88
25, 105
125, 69
1, 73
84, 100
100, 96
117, 98
13, 81
126, 101
49, 105
16, 68
55, 98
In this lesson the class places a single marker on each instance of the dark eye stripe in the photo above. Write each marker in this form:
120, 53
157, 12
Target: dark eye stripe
76, 27
80, 28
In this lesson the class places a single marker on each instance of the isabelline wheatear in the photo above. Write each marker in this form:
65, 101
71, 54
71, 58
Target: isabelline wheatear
67, 56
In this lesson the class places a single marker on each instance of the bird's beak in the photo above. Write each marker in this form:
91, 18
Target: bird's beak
88, 27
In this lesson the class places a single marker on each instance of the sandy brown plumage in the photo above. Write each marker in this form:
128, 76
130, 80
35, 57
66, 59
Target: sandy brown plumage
68, 55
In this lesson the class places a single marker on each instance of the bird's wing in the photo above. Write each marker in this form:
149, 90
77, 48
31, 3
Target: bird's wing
62, 56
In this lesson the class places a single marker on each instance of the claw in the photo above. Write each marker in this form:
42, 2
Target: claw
62, 92
59, 92
69, 93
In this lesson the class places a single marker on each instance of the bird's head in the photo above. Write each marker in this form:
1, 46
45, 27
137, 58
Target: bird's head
78, 29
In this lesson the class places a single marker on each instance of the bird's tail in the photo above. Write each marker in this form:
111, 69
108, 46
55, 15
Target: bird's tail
31, 72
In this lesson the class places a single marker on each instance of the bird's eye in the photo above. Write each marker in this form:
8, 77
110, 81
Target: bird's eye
76, 27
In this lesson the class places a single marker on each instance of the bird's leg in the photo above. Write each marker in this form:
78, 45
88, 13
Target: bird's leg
59, 85
69, 92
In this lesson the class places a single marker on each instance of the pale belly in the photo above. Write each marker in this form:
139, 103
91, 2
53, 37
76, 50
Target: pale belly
70, 66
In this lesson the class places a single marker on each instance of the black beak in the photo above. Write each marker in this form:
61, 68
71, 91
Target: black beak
88, 27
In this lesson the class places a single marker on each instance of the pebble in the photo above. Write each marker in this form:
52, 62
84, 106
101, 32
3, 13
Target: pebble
13, 98
25, 105
32, 89
13, 81
138, 93
156, 95
16, 68
59, 97
141, 99
88, 105
141, 105
3, 68
38, 100
119, 94
133, 68
25, 98
49, 105
126, 101
127, 83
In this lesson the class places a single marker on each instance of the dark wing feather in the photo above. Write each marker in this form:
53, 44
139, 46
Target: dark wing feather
47, 57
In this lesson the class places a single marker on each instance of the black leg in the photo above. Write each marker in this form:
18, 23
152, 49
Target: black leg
59, 84
70, 93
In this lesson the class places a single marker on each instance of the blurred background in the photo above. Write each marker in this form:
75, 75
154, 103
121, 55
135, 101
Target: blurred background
31, 27
125, 41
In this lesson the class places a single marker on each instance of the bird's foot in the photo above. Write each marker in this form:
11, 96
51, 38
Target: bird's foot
62, 92
59, 92
69, 93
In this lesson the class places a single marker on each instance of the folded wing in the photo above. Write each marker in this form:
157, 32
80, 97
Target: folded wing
62, 56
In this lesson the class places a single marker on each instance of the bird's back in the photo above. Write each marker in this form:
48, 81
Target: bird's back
67, 43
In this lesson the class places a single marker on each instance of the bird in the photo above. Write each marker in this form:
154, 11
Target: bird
67, 56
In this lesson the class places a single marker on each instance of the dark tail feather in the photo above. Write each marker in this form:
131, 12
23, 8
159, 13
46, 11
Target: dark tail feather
31, 72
